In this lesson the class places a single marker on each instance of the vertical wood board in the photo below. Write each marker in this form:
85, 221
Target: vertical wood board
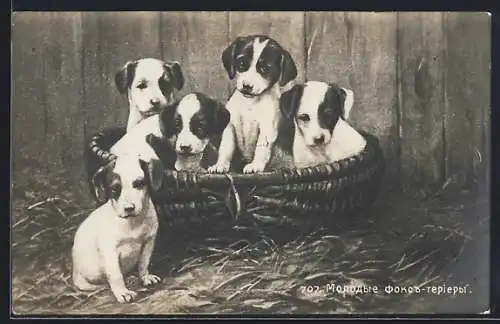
196, 40
421, 64
110, 40
468, 40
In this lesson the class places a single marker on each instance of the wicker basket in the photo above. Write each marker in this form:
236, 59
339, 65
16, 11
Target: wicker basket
301, 194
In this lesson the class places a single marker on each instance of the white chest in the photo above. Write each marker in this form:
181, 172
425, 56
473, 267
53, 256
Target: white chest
251, 117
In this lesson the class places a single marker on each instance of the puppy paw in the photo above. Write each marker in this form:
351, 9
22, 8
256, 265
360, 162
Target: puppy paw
253, 167
219, 168
123, 295
150, 279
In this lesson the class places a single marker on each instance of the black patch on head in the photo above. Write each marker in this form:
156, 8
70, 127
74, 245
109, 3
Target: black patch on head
274, 64
211, 119
290, 101
332, 107
269, 63
114, 185
106, 183
124, 76
240, 47
172, 78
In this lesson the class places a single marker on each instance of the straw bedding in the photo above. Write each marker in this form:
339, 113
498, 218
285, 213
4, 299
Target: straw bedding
260, 263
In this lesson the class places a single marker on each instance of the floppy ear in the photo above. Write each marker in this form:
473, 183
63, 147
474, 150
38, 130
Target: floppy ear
217, 113
155, 171
221, 117
167, 121
98, 182
288, 68
289, 101
348, 102
174, 72
124, 76
229, 56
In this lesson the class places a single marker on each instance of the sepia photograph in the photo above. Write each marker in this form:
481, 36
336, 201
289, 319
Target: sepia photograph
250, 162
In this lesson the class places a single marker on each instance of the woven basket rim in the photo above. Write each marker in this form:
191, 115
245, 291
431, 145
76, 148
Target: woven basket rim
372, 151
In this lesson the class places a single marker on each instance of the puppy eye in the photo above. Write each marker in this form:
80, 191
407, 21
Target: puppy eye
178, 123
115, 190
304, 117
241, 63
266, 68
142, 86
139, 184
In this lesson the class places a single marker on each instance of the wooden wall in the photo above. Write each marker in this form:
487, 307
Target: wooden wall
421, 80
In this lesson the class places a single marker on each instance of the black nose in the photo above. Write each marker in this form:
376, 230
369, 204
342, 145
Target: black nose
319, 139
155, 101
247, 88
129, 208
185, 148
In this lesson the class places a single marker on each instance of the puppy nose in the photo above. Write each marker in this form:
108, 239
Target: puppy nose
319, 139
247, 87
129, 208
155, 101
185, 148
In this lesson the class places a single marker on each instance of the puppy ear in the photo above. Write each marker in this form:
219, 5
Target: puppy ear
289, 101
221, 117
98, 182
348, 102
174, 72
342, 99
155, 171
288, 68
167, 120
124, 76
229, 57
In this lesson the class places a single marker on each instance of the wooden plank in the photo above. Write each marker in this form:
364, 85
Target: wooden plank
467, 80
28, 115
196, 40
286, 27
111, 39
64, 90
421, 69
327, 53
358, 50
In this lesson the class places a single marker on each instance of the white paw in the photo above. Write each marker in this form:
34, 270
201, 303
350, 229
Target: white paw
150, 279
123, 295
219, 168
253, 167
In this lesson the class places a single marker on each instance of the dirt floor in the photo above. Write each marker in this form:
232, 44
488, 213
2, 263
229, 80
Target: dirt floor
404, 244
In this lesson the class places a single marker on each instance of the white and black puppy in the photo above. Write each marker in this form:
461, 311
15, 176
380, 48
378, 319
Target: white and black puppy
319, 112
194, 124
119, 236
184, 130
263, 70
149, 84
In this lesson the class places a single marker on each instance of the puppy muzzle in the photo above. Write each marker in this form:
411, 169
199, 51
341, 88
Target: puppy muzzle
247, 93
151, 112
129, 211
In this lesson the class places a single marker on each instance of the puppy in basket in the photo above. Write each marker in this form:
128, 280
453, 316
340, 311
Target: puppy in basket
119, 236
319, 113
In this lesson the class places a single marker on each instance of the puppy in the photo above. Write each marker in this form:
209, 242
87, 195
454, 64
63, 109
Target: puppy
184, 129
263, 70
149, 84
319, 112
119, 235
194, 124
